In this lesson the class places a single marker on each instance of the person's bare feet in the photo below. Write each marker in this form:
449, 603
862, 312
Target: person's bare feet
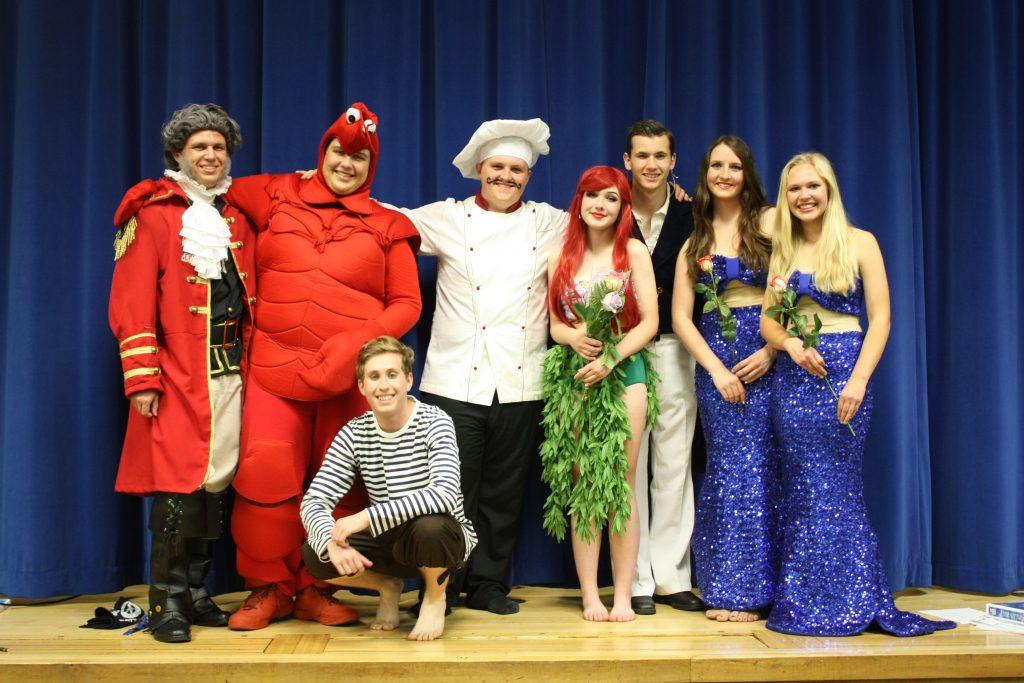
387, 609
718, 614
622, 611
594, 610
744, 616
430, 624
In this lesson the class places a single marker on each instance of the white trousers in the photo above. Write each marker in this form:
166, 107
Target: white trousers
226, 397
665, 503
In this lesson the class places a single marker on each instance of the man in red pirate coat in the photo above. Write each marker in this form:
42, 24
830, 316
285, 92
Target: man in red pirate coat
335, 270
179, 307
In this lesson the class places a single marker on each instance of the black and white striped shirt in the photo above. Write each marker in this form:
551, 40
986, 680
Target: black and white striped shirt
408, 473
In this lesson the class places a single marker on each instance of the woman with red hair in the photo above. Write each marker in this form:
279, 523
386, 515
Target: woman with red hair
599, 392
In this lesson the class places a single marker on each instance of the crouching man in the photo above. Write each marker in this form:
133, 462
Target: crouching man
415, 525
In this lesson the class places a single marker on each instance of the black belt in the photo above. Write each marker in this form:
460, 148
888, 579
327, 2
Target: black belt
225, 335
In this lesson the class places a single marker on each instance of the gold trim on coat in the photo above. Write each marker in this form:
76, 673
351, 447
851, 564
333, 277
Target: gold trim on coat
138, 336
124, 237
141, 371
138, 351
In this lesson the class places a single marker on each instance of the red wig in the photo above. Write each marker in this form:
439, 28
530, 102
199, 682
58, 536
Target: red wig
562, 287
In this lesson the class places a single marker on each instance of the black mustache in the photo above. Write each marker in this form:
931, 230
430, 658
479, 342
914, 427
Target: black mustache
499, 181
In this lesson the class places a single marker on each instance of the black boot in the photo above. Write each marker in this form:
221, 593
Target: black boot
170, 604
206, 517
169, 600
205, 611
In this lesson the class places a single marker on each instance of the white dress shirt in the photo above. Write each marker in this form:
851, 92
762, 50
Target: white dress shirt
490, 324
652, 233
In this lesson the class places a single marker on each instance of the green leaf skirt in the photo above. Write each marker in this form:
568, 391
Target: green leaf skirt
588, 428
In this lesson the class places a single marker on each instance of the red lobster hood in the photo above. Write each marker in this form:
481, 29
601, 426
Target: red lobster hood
356, 129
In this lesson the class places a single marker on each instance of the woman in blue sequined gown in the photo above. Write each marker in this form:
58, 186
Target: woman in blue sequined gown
831, 578
735, 530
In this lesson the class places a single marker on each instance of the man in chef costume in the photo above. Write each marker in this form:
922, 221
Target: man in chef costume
489, 335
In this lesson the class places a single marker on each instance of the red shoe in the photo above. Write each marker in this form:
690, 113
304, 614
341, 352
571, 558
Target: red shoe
318, 604
265, 604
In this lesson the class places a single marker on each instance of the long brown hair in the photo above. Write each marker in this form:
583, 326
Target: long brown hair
755, 247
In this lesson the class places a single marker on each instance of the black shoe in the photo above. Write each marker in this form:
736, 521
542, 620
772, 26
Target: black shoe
170, 627
684, 600
495, 603
205, 611
642, 605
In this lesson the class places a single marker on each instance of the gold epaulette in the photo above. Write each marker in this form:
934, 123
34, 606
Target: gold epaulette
124, 237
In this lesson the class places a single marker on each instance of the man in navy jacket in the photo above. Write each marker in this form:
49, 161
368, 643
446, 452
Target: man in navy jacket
665, 502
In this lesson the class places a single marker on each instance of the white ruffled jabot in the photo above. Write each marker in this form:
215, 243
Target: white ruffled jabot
205, 235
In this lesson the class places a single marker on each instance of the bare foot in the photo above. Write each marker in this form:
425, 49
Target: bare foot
387, 609
430, 624
718, 614
594, 610
740, 615
621, 612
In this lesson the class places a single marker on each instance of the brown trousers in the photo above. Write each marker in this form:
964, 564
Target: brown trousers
426, 541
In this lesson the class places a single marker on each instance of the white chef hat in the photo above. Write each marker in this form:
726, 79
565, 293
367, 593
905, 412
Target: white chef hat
525, 140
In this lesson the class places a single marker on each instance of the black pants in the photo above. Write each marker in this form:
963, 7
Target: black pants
496, 445
426, 541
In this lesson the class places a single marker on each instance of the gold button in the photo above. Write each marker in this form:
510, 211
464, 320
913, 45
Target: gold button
236, 245
192, 278
660, 290
243, 275
229, 219
230, 310
252, 300
193, 309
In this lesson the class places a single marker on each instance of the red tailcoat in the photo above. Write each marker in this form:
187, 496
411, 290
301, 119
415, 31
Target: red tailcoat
159, 312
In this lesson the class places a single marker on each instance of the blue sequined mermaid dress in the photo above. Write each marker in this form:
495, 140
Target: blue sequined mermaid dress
832, 582
736, 528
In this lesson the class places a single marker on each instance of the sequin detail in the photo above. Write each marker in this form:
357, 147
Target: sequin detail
736, 529
851, 304
831, 579
727, 268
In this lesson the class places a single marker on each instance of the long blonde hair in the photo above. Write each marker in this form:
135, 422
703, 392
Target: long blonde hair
836, 270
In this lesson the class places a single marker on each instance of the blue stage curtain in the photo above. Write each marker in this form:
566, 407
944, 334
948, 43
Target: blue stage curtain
970, 95
918, 105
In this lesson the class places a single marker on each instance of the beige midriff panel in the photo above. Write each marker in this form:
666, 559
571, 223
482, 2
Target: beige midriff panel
738, 295
830, 320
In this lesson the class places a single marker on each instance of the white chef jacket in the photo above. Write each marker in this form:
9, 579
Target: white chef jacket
490, 325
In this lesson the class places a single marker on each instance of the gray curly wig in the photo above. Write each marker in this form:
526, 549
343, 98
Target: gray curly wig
193, 118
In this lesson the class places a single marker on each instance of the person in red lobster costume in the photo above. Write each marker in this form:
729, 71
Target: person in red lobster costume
335, 269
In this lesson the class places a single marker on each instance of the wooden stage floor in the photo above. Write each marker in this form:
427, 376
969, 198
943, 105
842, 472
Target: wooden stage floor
547, 640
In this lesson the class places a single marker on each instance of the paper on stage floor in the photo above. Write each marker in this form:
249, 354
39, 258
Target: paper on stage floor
976, 618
